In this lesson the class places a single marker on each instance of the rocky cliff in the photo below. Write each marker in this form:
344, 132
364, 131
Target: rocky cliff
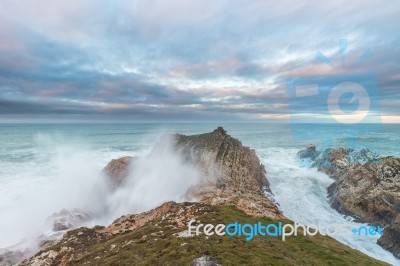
366, 187
230, 172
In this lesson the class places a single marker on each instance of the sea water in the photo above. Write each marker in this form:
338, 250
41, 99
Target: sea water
47, 167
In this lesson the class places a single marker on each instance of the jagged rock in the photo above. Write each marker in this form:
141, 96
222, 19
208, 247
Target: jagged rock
230, 172
15, 254
118, 169
204, 260
44, 258
26, 248
366, 187
335, 161
62, 221
11, 257
310, 153
391, 238
65, 220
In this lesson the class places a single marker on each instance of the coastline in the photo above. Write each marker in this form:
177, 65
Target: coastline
263, 158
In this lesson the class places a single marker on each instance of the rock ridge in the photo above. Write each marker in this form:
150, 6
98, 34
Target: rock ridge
231, 173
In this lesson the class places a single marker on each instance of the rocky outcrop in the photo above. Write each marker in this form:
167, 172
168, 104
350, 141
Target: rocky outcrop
230, 172
65, 219
366, 187
118, 169
61, 222
391, 237
76, 243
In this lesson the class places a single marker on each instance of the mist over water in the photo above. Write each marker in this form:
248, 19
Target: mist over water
47, 168
159, 177
34, 189
68, 175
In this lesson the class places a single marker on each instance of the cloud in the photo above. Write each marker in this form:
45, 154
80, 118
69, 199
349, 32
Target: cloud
184, 59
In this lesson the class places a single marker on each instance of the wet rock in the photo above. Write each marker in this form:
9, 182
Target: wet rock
310, 153
366, 187
10, 257
335, 161
65, 219
230, 172
391, 238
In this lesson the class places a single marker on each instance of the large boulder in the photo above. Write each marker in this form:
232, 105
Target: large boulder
117, 170
366, 187
310, 153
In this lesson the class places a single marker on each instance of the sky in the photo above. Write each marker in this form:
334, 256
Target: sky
193, 60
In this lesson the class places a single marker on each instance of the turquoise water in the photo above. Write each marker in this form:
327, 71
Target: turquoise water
47, 167
20, 141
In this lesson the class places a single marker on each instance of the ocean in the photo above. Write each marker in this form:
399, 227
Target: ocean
47, 167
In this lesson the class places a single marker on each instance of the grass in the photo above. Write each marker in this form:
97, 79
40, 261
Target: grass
147, 246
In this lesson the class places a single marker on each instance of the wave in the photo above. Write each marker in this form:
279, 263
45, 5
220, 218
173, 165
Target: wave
302, 196
67, 175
